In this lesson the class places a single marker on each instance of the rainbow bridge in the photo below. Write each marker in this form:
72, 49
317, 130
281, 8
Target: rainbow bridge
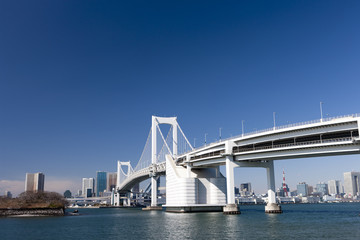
193, 179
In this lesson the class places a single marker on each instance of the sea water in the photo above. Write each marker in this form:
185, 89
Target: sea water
298, 221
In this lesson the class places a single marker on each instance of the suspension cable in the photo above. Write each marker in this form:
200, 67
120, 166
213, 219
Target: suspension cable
184, 136
164, 141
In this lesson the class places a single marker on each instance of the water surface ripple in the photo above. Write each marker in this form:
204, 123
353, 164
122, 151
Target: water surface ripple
300, 221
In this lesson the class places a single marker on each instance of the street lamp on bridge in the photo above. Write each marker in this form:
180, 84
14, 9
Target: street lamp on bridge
321, 113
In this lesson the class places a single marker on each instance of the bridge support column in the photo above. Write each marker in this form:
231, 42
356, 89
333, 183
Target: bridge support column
112, 200
128, 200
272, 206
154, 188
117, 199
231, 207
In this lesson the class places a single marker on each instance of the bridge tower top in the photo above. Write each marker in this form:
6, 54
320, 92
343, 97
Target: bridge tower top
155, 126
120, 170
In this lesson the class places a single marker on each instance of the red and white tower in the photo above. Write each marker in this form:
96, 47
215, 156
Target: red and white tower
284, 185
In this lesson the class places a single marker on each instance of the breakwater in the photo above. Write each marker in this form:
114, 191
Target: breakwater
5, 212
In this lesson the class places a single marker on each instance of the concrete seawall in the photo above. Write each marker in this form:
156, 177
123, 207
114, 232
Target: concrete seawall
4, 212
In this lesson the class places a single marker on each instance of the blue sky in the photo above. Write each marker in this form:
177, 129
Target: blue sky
80, 80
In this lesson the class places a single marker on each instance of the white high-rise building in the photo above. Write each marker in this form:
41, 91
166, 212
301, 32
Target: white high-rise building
334, 187
352, 183
88, 183
34, 182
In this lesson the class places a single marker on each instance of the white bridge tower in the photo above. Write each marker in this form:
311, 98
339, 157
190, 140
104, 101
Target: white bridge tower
154, 155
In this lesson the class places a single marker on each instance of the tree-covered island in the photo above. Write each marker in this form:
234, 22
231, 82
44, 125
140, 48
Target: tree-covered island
33, 203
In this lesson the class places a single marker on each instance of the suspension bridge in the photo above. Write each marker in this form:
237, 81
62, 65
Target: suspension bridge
193, 179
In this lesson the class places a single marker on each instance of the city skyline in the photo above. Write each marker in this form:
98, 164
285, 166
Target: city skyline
80, 82
334, 186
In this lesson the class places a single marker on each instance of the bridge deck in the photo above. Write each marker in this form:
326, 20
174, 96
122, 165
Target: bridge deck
328, 137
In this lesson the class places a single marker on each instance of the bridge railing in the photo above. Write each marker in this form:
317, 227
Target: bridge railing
296, 125
279, 127
345, 139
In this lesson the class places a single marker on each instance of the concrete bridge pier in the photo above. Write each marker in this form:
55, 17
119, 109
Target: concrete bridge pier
153, 191
154, 188
127, 200
116, 199
231, 207
272, 206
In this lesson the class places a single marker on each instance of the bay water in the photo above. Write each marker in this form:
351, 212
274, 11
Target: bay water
298, 221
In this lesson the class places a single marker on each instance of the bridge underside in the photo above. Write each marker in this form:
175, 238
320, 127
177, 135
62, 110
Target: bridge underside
127, 188
319, 150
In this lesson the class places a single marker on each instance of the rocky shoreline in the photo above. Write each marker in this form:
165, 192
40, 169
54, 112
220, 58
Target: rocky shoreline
7, 212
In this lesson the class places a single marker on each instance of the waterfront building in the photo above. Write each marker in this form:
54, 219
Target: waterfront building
293, 193
100, 183
34, 182
302, 189
249, 200
322, 188
310, 199
287, 199
328, 198
111, 181
87, 183
352, 183
334, 187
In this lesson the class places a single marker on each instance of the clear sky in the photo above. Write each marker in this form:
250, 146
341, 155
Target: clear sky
79, 80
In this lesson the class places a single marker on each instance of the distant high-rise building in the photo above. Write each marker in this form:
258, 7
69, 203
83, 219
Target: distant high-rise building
89, 192
352, 183
100, 183
302, 189
334, 187
8, 194
87, 183
310, 189
245, 189
79, 193
237, 191
34, 182
322, 188
111, 181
